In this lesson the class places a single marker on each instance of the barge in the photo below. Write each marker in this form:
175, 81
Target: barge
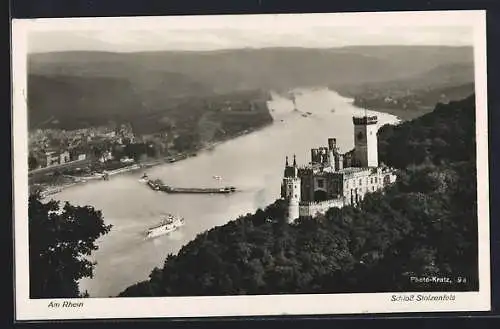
158, 185
170, 189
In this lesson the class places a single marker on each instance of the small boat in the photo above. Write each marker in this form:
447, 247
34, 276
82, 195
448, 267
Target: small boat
216, 177
304, 115
154, 184
309, 113
144, 178
168, 224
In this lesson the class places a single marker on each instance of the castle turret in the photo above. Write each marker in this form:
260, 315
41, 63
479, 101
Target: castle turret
293, 197
290, 190
365, 141
291, 171
339, 161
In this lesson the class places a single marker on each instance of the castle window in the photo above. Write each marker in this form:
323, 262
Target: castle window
375, 180
373, 188
295, 195
360, 182
371, 180
321, 183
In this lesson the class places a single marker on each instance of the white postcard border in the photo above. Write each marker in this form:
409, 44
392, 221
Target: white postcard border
180, 307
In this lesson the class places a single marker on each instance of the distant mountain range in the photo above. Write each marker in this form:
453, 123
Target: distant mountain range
100, 84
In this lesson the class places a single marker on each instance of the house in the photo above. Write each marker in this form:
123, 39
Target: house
52, 158
64, 157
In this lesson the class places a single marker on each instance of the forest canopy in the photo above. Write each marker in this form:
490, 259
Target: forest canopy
60, 237
424, 225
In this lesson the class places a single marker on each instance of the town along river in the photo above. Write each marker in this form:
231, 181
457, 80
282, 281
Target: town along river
253, 163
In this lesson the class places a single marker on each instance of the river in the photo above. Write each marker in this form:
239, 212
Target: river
253, 163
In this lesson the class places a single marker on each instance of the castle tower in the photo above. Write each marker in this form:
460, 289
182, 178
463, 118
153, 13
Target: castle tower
290, 190
336, 159
332, 143
365, 141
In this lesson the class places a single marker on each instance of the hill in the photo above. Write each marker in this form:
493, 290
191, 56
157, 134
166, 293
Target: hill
415, 95
425, 225
149, 81
252, 68
410, 104
445, 135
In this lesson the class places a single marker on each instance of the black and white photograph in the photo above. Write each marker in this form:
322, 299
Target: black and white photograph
242, 165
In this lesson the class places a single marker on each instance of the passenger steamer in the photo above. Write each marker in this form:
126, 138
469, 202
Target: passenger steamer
168, 224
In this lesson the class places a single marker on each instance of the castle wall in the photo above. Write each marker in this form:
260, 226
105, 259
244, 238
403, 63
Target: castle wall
367, 181
307, 188
312, 209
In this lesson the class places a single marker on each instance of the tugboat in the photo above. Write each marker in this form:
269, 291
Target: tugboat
169, 223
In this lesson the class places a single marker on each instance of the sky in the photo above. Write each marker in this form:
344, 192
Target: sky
200, 33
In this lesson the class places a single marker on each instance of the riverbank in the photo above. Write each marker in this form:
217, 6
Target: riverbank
79, 180
401, 113
411, 106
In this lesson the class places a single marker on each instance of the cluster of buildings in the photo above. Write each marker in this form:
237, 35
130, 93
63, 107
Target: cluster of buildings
53, 158
335, 179
51, 147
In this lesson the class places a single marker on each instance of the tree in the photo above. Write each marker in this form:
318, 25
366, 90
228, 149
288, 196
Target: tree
32, 162
186, 142
136, 151
59, 240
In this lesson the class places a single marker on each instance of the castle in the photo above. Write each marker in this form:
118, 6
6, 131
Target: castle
333, 179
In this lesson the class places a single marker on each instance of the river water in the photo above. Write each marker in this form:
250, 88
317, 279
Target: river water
253, 163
